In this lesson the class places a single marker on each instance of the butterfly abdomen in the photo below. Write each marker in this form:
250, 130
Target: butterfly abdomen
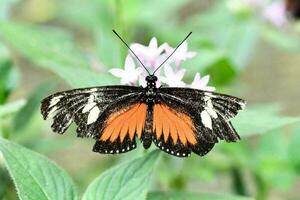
148, 130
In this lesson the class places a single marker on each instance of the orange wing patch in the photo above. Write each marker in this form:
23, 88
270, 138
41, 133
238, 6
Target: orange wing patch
127, 121
170, 123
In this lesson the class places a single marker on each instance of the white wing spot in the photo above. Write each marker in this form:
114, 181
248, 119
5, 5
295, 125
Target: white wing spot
52, 110
93, 90
208, 94
88, 107
211, 112
91, 98
55, 100
243, 105
93, 115
206, 120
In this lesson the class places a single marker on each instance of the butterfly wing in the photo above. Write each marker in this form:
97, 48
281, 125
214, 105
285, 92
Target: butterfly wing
193, 120
92, 109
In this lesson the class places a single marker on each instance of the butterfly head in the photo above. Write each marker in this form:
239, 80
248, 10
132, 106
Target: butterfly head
151, 81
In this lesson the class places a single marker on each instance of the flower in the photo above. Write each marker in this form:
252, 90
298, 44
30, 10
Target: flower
150, 55
275, 13
172, 78
130, 74
181, 54
201, 83
153, 55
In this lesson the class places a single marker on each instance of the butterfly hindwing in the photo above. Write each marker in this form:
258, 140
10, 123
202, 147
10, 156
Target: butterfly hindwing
115, 147
187, 120
177, 132
169, 147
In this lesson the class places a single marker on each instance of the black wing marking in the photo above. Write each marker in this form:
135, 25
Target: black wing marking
202, 148
209, 111
116, 147
84, 106
178, 149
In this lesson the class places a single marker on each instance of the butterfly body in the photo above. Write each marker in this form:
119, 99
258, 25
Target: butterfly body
177, 120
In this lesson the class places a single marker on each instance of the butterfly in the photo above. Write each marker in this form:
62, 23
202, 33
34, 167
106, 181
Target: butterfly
177, 120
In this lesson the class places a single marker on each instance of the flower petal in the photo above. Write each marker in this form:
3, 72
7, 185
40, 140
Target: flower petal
204, 80
153, 43
168, 70
180, 74
117, 72
129, 64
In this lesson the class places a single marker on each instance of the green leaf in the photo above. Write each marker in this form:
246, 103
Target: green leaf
221, 72
35, 176
203, 60
9, 74
5, 181
108, 48
53, 50
24, 115
99, 16
192, 196
281, 39
260, 119
294, 150
272, 160
86, 14
126, 181
235, 36
11, 108
214, 63
239, 41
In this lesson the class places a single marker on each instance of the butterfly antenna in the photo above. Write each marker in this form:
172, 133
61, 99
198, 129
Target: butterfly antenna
172, 53
131, 51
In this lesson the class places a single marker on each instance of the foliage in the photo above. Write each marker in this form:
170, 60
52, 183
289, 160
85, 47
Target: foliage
76, 45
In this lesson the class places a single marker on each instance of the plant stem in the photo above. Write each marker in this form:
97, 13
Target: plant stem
238, 183
120, 23
261, 187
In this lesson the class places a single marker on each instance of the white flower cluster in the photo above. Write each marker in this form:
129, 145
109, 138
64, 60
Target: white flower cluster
152, 56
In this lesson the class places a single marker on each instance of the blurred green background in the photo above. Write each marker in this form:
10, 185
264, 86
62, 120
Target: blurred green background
248, 49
